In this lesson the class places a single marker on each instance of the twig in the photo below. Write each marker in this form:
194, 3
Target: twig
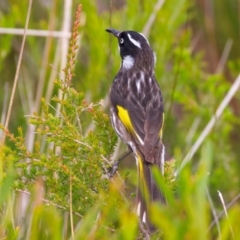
36, 32
48, 202
112, 179
144, 231
17, 71
234, 88
79, 124
84, 144
4, 108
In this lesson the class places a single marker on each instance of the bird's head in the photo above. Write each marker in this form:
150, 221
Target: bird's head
135, 50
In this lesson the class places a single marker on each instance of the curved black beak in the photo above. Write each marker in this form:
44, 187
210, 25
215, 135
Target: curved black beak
113, 32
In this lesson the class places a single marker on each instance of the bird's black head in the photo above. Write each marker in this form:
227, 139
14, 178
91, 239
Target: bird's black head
134, 49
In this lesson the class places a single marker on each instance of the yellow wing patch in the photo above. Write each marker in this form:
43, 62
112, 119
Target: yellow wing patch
125, 118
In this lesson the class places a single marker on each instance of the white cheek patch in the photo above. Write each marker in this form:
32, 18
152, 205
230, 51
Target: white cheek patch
134, 42
128, 62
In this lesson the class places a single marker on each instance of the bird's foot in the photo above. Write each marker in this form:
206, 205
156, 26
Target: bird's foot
112, 170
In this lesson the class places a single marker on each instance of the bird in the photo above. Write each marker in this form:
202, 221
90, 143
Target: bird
137, 115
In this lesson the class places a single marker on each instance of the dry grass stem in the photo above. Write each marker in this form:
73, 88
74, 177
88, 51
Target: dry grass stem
232, 91
17, 72
36, 32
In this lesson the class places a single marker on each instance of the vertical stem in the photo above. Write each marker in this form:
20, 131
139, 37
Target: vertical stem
70, 205
17, 71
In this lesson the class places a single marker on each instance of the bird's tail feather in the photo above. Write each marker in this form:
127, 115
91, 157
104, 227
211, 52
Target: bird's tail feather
147, 192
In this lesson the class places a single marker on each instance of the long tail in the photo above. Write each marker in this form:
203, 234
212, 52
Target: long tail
147, 191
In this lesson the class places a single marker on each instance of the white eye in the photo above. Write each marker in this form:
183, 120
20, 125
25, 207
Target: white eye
121, 41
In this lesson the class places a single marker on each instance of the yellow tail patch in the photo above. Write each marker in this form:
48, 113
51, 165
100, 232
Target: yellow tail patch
140, 165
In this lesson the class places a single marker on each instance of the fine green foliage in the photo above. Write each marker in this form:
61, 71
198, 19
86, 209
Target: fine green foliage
76, 157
